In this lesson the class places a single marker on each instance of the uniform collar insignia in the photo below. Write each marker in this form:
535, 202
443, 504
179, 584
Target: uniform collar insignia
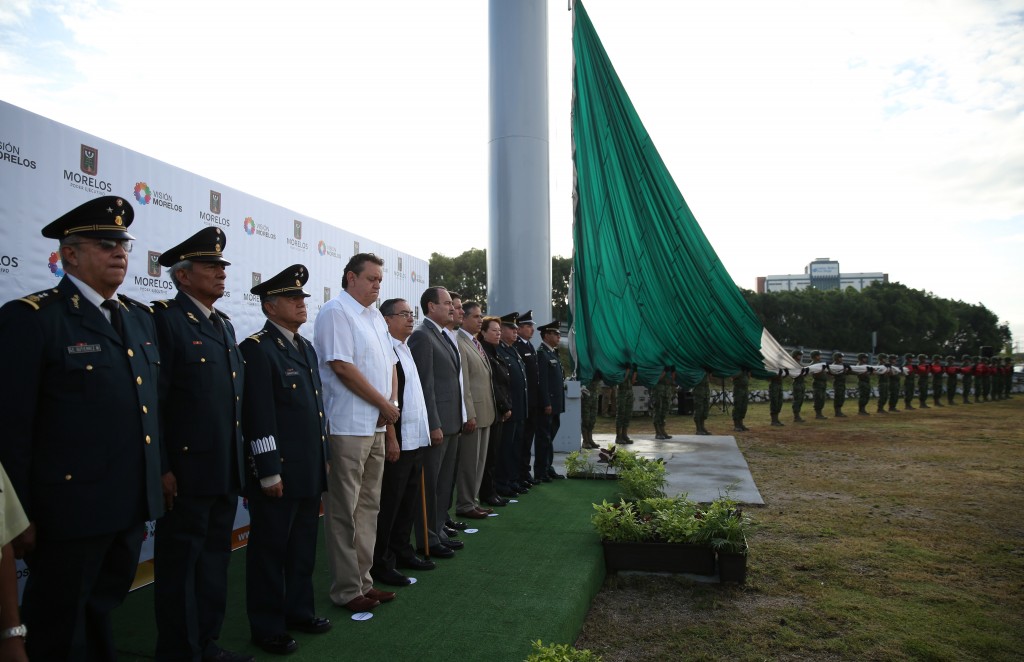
192, 317
74, 301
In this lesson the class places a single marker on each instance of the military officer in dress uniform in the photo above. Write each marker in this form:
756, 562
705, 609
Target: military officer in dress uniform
81, 434
528, 353
286, 445
203, 462
552, 402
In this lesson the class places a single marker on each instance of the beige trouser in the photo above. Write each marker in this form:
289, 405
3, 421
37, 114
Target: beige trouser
472, 454
351, 505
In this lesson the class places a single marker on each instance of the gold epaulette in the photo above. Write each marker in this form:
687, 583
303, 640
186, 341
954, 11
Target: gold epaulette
42, 298
133, 302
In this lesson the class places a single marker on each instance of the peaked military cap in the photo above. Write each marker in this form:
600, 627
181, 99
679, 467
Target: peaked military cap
796, 353
815, 353
936, 357
207, 245
951, 358
922, 357
526, 318
862, 357
883, 357
288, 283
837, 355
510, 320
550, 326
909, 356
106, 217
966, 357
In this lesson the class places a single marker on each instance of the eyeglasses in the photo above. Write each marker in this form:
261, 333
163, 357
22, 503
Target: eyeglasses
111, 244
405, 314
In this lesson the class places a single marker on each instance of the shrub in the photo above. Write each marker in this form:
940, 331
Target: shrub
560, 653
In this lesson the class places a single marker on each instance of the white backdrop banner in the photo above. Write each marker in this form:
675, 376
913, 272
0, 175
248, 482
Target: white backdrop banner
47, 168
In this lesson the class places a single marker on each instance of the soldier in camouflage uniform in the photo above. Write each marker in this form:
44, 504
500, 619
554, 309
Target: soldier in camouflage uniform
799, 388
863, 386
740, 398
702, 403
894, 382
908, 382
819, 382
661, 401
951, 372
979, 378
775, 399
839, 386
923, 374
937, 373
967, 370
624, 406
883, 385
588, 410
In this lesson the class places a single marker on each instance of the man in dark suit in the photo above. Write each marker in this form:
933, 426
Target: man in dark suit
439, 364
201, 383
286, 445
81, 437
528, 431
552, 402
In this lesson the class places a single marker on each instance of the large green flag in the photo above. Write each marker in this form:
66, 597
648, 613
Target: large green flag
647, 287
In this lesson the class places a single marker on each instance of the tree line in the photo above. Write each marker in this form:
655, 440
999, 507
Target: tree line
905, 319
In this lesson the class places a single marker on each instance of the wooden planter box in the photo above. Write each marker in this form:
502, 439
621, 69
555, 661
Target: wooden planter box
659, 557
732, 567
594, 476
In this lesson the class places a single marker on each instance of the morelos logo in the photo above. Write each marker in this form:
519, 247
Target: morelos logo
295, 241
249, 225
327, 294
213, 217
257, 278
321, 247
142, 193
297, 231
153, 266
90, 160
12, 154
326, 249
55, 267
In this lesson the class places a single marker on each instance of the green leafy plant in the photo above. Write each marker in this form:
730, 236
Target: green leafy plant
560, 653
643, 480
723, 526
581, 463
620, 522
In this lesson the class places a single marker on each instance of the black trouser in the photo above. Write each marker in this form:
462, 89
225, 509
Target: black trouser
527, 435
279, 560
544, 453
193, 548
72, 588
507, 470
400, 505
488, 487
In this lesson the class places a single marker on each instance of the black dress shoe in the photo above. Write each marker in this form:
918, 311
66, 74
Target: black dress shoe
454, 544
506, 494
554, 474
496, 502
415, 563
315, 625
460, 526
223, 655
391, 578
278, 644
450, 532
543, 479
522, 488
437, 552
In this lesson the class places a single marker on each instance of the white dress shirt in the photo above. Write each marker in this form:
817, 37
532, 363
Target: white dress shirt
415, 427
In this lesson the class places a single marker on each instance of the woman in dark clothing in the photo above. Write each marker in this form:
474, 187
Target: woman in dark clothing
489, 336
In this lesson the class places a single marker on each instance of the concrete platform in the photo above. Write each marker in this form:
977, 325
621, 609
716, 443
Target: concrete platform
702, 467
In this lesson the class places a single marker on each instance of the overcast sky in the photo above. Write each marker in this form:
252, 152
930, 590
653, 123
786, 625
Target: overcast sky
886, 135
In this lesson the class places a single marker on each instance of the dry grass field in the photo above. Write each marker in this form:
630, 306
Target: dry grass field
883, 537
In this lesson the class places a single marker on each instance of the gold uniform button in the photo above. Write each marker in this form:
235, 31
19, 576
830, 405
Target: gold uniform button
321, 414
233, 374
148, 440
88, 367
130, 352
294, 386
238, 424
145, 409
67, 477
138, 380
185, 449
202, 360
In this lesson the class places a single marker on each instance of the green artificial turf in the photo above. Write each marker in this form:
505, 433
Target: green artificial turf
528, 574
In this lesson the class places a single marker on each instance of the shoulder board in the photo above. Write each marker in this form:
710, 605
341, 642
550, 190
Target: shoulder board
223, 315
257, 336
165, 303
41, 298
132, 302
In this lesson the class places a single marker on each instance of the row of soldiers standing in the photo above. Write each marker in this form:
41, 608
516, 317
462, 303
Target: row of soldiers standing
987, 378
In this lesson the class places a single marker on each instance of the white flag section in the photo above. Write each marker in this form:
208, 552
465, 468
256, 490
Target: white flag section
47, 168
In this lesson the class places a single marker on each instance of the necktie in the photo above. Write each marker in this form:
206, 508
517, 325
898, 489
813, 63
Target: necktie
458, 359
215, 320
115, 316
480, 349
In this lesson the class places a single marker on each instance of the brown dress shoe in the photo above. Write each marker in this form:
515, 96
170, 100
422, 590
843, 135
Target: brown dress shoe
362, 603
380, 596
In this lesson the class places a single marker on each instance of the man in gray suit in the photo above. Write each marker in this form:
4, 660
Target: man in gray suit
479, 398
440, 365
